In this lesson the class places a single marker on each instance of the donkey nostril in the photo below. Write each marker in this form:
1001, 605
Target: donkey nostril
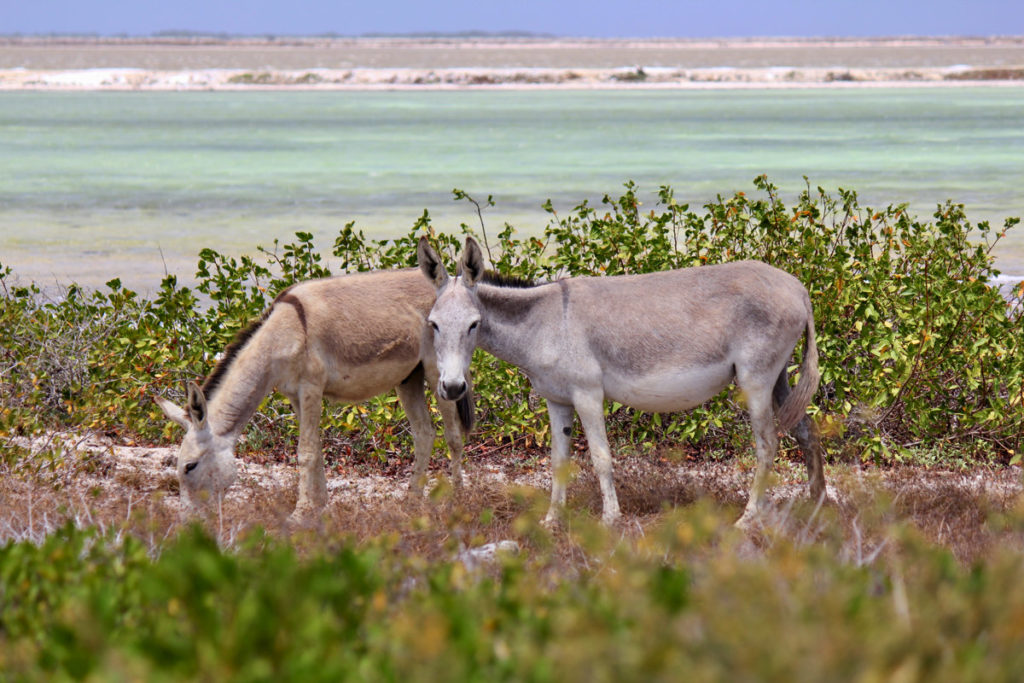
191, 466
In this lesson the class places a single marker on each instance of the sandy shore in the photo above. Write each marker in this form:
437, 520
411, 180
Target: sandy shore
412, 78
410, 63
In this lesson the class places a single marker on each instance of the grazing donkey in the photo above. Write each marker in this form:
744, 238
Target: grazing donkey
663, 341
346, 338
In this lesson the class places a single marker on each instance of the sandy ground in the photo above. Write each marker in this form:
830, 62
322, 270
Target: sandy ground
951, 507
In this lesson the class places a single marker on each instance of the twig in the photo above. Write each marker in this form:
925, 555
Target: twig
459, 194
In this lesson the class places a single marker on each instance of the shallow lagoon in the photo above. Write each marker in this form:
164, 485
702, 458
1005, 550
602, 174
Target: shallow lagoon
98, 184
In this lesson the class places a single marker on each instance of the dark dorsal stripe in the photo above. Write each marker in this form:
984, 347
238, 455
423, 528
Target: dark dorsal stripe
286, 298
231, 351
496, 279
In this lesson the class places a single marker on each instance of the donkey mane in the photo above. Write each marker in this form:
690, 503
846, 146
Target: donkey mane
231, 351
496, 279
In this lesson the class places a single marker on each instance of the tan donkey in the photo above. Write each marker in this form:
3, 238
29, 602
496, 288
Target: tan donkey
659, 342
346, 338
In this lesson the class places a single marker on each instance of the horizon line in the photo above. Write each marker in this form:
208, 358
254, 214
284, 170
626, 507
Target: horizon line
189, 34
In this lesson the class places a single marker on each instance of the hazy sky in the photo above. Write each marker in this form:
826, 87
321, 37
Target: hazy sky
597, 18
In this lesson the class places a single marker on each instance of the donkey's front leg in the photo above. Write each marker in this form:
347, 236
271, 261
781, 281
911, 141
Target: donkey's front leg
590, 407
561, 437
312, 482
414, 402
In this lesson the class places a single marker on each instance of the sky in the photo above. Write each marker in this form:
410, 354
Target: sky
591, 18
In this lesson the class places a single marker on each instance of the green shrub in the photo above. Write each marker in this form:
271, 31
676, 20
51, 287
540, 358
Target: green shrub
916, 347
684, 600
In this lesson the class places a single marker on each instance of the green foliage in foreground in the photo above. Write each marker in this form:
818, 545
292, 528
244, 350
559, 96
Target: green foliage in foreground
917, 349
686, 602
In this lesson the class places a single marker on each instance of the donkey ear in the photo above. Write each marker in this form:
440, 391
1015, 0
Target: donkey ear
472, 262
196, 406
173, 412
430, 263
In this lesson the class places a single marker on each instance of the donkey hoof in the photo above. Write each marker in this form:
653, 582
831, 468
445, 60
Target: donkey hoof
417, 484
304, 518
610, 520
552, 522
750, 521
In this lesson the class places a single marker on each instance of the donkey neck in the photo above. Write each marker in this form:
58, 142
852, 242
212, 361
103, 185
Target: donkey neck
244, 384
512, 318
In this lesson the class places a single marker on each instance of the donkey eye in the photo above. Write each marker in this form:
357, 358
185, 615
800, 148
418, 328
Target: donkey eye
474, 326
191, 466
433, 326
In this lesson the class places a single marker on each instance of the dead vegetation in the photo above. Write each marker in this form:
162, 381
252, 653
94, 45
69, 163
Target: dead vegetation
92, 482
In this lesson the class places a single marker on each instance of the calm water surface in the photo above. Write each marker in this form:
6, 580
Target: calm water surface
94, 185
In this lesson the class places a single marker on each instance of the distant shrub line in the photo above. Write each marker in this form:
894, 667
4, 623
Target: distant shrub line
917, 350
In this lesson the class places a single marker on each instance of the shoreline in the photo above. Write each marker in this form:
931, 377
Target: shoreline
636, 77
195, 62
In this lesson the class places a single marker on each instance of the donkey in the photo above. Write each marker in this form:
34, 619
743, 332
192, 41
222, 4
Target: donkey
347, 338
658, 342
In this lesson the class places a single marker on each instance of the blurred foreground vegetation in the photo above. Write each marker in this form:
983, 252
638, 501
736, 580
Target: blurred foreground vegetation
691, 599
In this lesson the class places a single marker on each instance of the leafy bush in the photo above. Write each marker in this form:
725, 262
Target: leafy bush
917, 349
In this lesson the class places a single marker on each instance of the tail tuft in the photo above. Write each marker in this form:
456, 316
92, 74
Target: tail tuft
795, 407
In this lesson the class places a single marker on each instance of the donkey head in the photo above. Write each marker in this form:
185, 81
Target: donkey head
455, 318
206, 462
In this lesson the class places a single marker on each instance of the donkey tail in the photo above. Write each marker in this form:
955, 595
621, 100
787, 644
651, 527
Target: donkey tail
466, 408
795, 405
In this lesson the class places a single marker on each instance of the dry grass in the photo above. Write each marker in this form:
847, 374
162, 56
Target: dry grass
135, 490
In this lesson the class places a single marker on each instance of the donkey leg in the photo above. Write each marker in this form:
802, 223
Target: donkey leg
806, 434
591, 411
561, 437
762, 422
453, 437
410, 393
453, 432
312, 482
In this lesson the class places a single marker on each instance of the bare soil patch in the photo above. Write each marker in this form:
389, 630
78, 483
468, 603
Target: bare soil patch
94, 481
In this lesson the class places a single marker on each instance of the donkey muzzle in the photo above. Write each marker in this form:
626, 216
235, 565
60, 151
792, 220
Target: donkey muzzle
452, 390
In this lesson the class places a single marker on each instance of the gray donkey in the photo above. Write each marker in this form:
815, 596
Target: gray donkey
346, 338
658, 342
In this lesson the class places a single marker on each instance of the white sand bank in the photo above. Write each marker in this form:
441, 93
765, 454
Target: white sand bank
535, 77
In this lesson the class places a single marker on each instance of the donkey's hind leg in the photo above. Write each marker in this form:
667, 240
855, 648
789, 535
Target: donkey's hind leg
759, 405
806, 434
414, 401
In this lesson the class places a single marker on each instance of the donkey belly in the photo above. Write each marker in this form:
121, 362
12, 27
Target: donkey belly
669, 390
353, 384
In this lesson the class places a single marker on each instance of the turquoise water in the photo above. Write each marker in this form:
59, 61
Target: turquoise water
98, 184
